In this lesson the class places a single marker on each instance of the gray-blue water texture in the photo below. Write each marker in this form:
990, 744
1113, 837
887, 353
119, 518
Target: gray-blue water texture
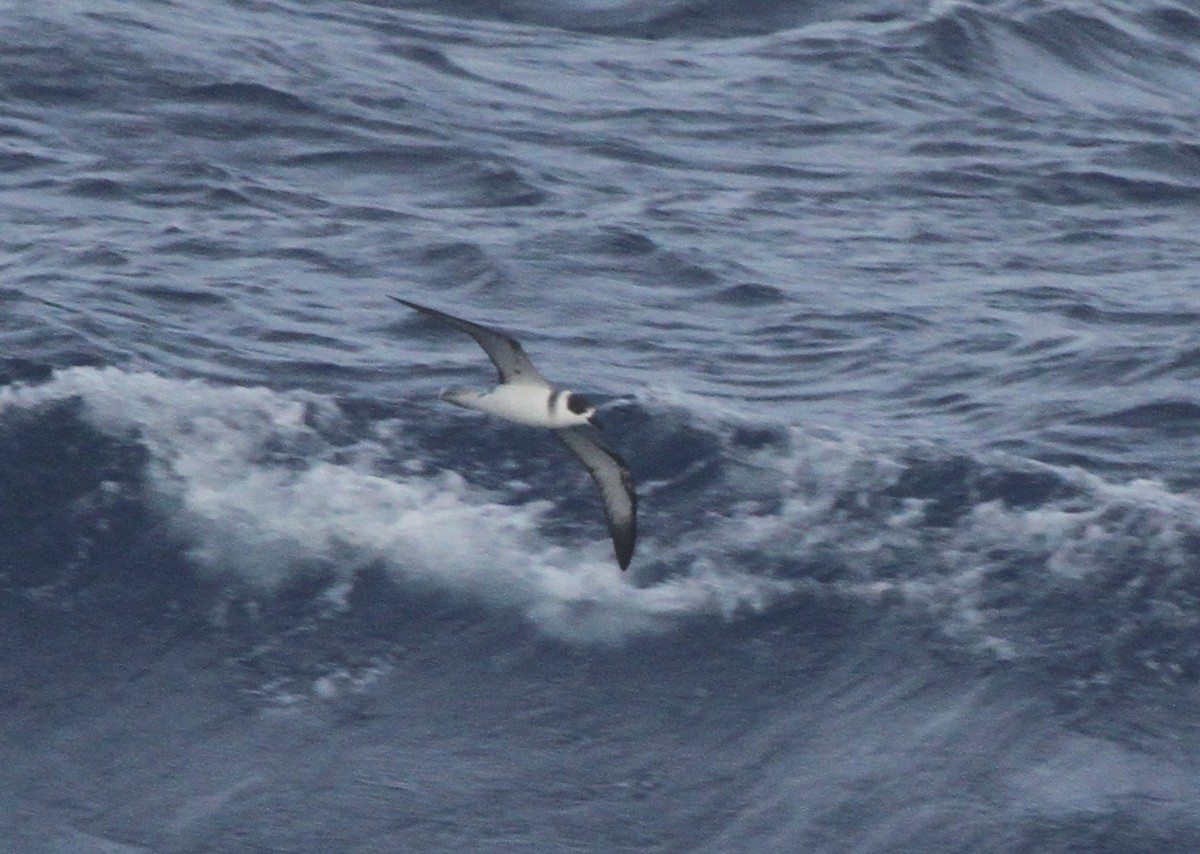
893, 310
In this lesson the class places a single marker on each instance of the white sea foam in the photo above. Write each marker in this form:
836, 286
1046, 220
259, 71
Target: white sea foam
251, 516
978, 561
812, 502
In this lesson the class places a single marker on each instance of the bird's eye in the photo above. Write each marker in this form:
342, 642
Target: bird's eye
578, 404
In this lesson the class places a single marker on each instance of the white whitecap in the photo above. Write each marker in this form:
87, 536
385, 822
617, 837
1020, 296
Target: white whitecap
256, 519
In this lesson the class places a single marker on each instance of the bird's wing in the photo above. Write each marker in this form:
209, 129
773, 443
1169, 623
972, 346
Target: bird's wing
616, 487
505, 352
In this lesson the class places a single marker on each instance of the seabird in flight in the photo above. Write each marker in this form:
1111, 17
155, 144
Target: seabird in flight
523, 395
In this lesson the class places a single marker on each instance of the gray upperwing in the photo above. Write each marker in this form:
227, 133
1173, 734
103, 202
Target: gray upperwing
505, 352
616, 487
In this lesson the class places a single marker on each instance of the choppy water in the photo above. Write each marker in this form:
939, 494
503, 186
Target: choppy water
893, 308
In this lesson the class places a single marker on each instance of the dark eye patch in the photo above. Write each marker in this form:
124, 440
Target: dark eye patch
578, 404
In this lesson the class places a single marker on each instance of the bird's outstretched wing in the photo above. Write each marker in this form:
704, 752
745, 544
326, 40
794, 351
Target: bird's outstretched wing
505, 352
616, 487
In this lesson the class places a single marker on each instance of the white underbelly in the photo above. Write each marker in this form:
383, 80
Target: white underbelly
524, 404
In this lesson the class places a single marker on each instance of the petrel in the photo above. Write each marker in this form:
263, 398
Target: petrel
523, 395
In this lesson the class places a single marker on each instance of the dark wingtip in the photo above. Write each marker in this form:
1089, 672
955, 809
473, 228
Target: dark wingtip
624, 550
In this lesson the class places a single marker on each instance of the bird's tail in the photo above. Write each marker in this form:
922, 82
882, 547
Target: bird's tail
463, 397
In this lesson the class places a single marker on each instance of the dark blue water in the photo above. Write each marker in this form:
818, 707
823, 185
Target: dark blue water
893, 309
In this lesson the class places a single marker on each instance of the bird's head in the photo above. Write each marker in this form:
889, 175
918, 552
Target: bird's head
580, 410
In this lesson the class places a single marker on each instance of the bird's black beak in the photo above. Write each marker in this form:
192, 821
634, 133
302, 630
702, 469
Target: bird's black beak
595, 422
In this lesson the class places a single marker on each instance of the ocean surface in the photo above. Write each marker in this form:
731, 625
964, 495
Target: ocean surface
894, 312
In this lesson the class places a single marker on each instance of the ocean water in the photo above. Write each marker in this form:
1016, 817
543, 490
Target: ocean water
893, 311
